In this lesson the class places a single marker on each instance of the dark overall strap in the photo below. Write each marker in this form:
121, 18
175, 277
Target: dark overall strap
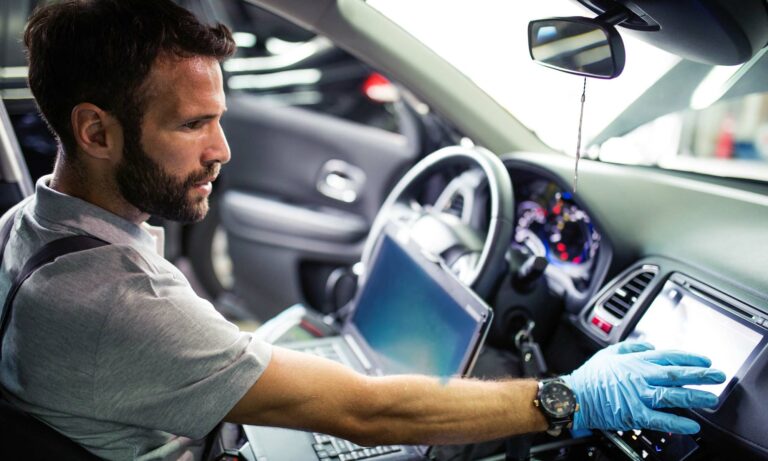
19, 431
46, 254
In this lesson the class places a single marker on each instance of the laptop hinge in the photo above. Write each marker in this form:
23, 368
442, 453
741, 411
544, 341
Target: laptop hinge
358, 352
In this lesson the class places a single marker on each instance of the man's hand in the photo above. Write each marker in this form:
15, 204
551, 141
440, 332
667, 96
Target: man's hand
622, 385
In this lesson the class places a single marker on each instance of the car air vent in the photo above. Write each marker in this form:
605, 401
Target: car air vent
622, 300
457, 205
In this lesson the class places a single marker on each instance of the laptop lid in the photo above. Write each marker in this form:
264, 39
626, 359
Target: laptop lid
412, 315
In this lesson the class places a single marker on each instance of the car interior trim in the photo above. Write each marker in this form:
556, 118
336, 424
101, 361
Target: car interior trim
250, 210
12, 157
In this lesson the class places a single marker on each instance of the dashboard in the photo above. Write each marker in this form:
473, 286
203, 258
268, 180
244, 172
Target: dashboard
629, 285
625, 267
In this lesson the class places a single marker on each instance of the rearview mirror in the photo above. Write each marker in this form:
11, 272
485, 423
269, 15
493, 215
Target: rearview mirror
577, 45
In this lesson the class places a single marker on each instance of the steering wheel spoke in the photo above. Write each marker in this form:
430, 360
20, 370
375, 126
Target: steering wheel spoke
406, 213
464, 266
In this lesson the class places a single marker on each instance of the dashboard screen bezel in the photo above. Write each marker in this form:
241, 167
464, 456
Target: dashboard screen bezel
724, 305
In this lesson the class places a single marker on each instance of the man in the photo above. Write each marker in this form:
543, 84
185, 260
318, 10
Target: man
112, 348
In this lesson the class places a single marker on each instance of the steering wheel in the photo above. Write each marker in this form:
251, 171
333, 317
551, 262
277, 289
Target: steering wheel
474, 253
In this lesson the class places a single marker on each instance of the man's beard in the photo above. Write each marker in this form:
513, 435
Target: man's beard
148, 187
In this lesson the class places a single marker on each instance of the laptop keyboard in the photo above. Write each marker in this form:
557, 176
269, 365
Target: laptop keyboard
327, 351
329, 448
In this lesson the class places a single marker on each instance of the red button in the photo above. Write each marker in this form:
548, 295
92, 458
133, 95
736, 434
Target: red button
602, 324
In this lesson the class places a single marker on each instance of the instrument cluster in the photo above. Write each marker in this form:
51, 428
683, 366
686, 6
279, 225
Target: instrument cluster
549, 223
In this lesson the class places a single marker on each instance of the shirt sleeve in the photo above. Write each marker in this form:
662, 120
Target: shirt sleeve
167, 360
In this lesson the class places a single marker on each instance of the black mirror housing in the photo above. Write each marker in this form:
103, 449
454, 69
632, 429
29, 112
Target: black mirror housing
577, 45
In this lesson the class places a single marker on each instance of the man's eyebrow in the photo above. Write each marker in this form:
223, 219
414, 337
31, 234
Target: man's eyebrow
204, 116
180, 115
214, 115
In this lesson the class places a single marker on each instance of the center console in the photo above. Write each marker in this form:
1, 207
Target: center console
673, 306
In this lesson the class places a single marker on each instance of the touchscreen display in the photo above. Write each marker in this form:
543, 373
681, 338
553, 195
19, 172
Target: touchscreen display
678, 319
411, 322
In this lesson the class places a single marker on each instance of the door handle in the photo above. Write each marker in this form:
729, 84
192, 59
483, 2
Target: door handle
340, 181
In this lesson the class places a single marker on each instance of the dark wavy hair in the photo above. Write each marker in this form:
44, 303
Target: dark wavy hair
101, 51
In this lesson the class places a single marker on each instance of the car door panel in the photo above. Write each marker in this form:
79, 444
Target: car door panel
273, 198
272, 221
280, 150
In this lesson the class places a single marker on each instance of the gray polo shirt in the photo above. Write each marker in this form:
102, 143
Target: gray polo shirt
111, 346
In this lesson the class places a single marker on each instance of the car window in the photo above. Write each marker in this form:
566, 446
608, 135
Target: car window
488, 42
660, 111
728, 137
289, 65
13, 16
37, 143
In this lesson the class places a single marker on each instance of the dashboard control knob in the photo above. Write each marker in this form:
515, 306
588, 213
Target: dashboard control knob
529, 271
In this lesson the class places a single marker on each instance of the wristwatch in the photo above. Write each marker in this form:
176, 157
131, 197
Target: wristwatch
558, 404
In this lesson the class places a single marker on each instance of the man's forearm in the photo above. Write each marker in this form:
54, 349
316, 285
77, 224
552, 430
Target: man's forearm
305, 392
424, 410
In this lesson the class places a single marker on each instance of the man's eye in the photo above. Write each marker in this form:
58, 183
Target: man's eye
193, 125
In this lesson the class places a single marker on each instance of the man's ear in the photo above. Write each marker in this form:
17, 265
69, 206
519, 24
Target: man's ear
97, 133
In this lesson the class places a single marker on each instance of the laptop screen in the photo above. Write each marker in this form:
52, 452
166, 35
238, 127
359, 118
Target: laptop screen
416, 317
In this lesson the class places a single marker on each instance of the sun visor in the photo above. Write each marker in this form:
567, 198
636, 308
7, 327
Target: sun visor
722, 32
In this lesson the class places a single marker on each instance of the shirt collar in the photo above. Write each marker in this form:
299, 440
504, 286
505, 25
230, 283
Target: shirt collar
85, 217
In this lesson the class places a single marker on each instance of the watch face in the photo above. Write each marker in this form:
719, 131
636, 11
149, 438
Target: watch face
557, 399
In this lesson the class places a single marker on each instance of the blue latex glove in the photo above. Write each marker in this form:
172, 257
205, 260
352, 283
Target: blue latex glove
620, 387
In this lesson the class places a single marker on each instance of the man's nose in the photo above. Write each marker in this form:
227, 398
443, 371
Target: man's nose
218, 148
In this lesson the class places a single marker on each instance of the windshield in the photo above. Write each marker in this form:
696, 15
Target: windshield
487, 41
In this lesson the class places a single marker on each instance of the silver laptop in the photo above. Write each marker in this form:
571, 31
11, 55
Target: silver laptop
410, 315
